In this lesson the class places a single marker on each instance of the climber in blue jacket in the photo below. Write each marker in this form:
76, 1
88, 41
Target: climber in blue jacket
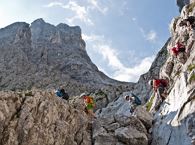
134, 100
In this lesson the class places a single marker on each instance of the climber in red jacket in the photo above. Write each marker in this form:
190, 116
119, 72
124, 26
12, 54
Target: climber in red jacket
179, 52
160, 91
159, 87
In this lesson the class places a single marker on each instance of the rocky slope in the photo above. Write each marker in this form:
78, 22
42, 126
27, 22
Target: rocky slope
175, 121
45, 56
38, 117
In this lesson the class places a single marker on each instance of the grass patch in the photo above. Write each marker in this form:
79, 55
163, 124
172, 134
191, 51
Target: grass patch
191, 67
191, 7
192, 78
149, 104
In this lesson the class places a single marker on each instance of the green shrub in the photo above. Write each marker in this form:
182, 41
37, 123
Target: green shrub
149, 103
192, 78
191, 67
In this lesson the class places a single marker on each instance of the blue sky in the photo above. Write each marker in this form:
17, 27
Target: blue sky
122, 37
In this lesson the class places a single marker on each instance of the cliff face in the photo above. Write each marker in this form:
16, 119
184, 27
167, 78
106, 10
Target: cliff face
175, 120
45, 56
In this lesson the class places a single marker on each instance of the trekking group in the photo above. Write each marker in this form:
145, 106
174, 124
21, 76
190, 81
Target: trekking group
179, 53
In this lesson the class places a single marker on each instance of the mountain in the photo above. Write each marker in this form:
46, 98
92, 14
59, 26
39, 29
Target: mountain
37, 58
45, 56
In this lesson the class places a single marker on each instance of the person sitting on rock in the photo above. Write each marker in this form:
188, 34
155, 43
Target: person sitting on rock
62, 94
160, 90
179, 51
89, 104
134, 100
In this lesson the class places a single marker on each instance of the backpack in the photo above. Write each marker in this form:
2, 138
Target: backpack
159, 82
58, 93
64, 94
164, 82
174, 51
137, 100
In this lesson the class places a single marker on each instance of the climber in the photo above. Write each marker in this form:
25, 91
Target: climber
134, 100
89, 104
62, 94
178, 51
190, 21
186, 22
160, 90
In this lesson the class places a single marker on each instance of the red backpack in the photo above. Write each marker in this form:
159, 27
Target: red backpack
174, 51
164, 82
158, 82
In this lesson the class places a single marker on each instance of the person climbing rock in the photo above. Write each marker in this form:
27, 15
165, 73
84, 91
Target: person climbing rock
190, 21
62, 94
160, 90
179, 51
134, 101
89, 104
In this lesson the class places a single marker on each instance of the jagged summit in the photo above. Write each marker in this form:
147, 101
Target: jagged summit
38, 21
46, 56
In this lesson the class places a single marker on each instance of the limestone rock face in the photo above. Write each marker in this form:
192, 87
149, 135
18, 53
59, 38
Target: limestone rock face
45, 56
40, 118
174, 121
116, 125
141, 88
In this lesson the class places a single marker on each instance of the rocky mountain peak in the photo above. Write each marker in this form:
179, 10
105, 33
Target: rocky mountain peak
47, 56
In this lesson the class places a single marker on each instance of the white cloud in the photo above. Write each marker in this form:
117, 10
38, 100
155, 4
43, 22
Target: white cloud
53, 4
110, 55
81, 12
151, 36
133, 74
96, 5
92, 37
